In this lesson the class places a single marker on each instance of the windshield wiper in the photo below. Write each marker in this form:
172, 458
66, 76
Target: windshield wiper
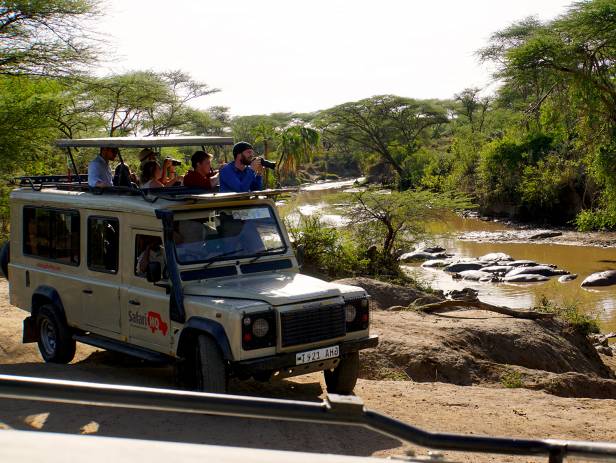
216, 258
267, 252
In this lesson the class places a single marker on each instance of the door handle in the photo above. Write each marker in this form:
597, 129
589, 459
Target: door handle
134, 302
87, 291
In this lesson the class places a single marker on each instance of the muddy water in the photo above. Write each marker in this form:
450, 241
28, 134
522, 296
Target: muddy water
582, 260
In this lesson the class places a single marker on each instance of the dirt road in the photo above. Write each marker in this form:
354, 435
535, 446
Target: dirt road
434, 406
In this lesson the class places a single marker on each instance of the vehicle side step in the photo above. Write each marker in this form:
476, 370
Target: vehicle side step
123, 348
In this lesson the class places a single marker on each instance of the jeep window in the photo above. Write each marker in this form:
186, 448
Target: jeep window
51, 234
227, 233
103, 244
148, 248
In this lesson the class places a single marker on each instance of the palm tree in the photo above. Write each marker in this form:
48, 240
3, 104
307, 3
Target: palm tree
296, 145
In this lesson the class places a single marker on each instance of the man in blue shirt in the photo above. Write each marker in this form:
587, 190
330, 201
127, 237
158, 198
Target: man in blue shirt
244, 174
99, 172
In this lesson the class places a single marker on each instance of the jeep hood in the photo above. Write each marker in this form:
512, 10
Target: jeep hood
274, 288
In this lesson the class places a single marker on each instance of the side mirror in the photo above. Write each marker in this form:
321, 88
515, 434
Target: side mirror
300, 252
153, 272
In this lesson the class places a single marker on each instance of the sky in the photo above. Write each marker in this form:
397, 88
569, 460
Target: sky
289, 56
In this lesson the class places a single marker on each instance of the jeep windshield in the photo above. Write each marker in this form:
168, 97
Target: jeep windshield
227, 233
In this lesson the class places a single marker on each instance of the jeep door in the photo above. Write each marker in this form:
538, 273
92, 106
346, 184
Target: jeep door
145, 305
100, 294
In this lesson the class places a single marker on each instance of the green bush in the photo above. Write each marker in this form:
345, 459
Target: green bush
512, 379
581, 322
326, 249
600, 219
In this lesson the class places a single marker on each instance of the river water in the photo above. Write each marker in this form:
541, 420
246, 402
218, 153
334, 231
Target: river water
582, 260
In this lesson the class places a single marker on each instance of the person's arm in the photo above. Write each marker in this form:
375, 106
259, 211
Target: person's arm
232, 183
257, 183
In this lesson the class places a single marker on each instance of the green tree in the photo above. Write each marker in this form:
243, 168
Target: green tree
296, 146
389, 125
46, 37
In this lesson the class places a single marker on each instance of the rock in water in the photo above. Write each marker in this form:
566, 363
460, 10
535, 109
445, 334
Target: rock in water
524, 278
570, 277
495, 257
462, 266
544, 234
544, 270
605, 278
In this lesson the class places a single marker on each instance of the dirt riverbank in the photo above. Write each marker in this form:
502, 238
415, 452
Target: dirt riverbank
435, 406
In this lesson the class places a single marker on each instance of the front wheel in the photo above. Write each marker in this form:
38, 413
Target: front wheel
342, 379
55, 340
211, 371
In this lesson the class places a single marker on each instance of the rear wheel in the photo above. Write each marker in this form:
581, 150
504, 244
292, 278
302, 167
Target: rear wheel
55, 342
342, 379
211, 371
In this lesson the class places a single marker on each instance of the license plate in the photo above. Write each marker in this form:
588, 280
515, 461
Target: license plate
316, 355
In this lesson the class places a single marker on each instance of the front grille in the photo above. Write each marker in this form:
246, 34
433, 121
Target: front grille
312, 325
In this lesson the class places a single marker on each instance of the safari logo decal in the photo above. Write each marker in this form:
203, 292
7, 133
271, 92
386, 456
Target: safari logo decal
152, 321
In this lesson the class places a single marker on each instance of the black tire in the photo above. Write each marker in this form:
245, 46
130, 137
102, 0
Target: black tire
5, 258
210, 367
55, 342
342, 379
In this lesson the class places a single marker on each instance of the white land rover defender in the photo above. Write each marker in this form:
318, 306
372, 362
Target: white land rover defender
208, 281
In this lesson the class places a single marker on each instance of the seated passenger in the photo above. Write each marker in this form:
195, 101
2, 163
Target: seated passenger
99, 172
150, 175
151, 251
202, 175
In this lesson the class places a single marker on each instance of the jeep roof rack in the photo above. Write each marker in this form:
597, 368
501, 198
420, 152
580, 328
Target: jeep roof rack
142, 142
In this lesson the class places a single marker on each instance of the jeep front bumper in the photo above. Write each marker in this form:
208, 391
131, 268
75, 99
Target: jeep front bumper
285, 365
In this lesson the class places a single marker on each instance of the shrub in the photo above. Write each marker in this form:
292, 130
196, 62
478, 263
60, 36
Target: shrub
581, 322
512, 379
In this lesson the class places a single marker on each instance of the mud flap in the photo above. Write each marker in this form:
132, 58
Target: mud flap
30, 333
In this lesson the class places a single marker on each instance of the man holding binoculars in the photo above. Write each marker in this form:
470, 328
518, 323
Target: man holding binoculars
245, 173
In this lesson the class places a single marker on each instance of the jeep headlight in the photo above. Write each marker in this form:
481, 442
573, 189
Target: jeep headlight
350, 312
357, 314
260, 327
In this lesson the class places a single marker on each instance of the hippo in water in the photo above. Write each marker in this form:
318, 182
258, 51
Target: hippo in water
565, 278
436, 263
524, 278
462, 266
495, 257
544, 270
498, 269
476, 275
605, 278
520, 263
420, 255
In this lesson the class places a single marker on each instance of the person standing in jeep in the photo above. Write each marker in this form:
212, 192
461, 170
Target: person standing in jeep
99, 172
244, 174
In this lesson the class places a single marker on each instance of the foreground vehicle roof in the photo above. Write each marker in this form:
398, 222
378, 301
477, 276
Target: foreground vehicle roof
142, 142
339, 410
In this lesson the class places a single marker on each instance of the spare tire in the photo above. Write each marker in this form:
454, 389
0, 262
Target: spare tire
5, 257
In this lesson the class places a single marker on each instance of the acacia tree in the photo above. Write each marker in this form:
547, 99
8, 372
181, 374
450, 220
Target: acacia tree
394, 219
389, 125
46, 37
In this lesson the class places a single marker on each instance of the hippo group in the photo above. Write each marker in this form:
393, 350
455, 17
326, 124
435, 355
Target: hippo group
492, 267
498, 266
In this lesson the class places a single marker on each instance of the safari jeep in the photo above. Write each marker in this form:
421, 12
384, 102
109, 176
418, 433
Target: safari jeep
207, 281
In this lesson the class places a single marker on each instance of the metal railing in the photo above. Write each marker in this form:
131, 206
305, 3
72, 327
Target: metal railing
338, 410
